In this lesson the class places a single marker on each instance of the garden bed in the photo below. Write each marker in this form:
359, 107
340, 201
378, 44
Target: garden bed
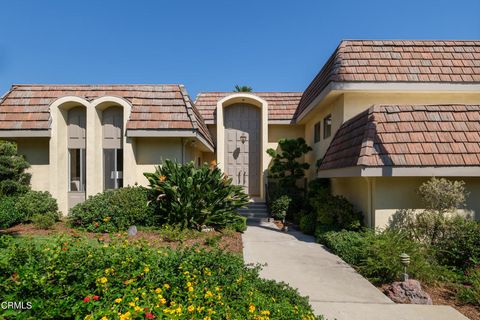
229, 240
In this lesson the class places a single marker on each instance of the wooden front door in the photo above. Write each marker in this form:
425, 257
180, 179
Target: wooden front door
242, 159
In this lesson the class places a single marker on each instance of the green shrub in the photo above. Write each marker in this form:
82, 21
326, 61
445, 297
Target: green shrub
240, 225
308, 223
336, 211
37, 202
376, 255
470, 292
132, 278
13, 178
459, 246
191, 197
44, 221
113, 210
279, 207
9, 215
348, 245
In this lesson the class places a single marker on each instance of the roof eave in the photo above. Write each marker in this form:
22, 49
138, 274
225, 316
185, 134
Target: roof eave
401, 171
388, 87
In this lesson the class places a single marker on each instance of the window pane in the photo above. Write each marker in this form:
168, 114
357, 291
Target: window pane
77, 170
327, 126
109, 168
316, 132
119, 168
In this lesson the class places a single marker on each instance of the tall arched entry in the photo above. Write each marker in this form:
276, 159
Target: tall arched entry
242, 146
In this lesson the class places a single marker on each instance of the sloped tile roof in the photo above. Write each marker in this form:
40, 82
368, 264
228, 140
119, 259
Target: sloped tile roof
281, 105
397, 61
153, 106
408, 135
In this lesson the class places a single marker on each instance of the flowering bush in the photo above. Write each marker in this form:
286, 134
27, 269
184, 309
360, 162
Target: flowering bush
190, 197
76, 278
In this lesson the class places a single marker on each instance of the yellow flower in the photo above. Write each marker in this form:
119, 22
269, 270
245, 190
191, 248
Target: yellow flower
251, 308
158, 290
191, 308
162, 178
138, 309
207, 318
131, 304
106, 219
166, 286
104, 318
118, 300
190, 289
125, 316
189, 284
265, 312
163, 301
209, 294
88, 317
102, 280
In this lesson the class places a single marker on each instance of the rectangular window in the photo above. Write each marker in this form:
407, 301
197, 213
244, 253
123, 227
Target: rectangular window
113, 168
327, 126
316, 132
77, 172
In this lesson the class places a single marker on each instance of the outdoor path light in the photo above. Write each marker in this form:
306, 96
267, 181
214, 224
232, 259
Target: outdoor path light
405, 261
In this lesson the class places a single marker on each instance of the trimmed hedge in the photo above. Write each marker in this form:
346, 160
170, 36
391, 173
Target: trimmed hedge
114, 210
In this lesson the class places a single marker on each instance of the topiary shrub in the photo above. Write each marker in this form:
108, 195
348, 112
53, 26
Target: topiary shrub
9, 215
37, 202
280, 206
13, 178
191, 197
113, 210
308, 223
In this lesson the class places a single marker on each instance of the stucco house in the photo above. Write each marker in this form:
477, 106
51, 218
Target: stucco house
381, 117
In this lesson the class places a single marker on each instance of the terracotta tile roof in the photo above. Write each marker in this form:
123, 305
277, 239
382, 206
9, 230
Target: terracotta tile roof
153, 106
281, 105
408, 135
397, 61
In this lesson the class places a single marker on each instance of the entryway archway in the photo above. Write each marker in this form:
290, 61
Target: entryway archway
243, 146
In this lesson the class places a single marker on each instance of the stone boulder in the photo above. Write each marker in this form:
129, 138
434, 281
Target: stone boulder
409, 291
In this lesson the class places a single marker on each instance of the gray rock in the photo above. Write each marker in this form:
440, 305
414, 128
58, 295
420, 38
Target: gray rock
132, 231
409, 291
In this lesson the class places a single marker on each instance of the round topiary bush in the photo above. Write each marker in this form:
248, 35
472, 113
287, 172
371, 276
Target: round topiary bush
113, 210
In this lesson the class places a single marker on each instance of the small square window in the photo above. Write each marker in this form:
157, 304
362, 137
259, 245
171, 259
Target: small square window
327, 126
316, 132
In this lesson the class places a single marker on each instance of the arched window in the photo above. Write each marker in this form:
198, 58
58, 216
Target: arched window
112, 124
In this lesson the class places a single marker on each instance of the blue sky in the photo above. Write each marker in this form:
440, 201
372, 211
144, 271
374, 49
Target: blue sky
207, 45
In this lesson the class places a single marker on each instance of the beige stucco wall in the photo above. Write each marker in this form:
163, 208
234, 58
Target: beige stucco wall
150, 152
356, 102
357, 190
336, 109
35, 151
381, 197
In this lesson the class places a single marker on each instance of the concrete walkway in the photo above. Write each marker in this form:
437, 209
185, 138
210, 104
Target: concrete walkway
334, 288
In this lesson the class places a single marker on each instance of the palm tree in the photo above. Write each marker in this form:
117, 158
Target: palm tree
242, 88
